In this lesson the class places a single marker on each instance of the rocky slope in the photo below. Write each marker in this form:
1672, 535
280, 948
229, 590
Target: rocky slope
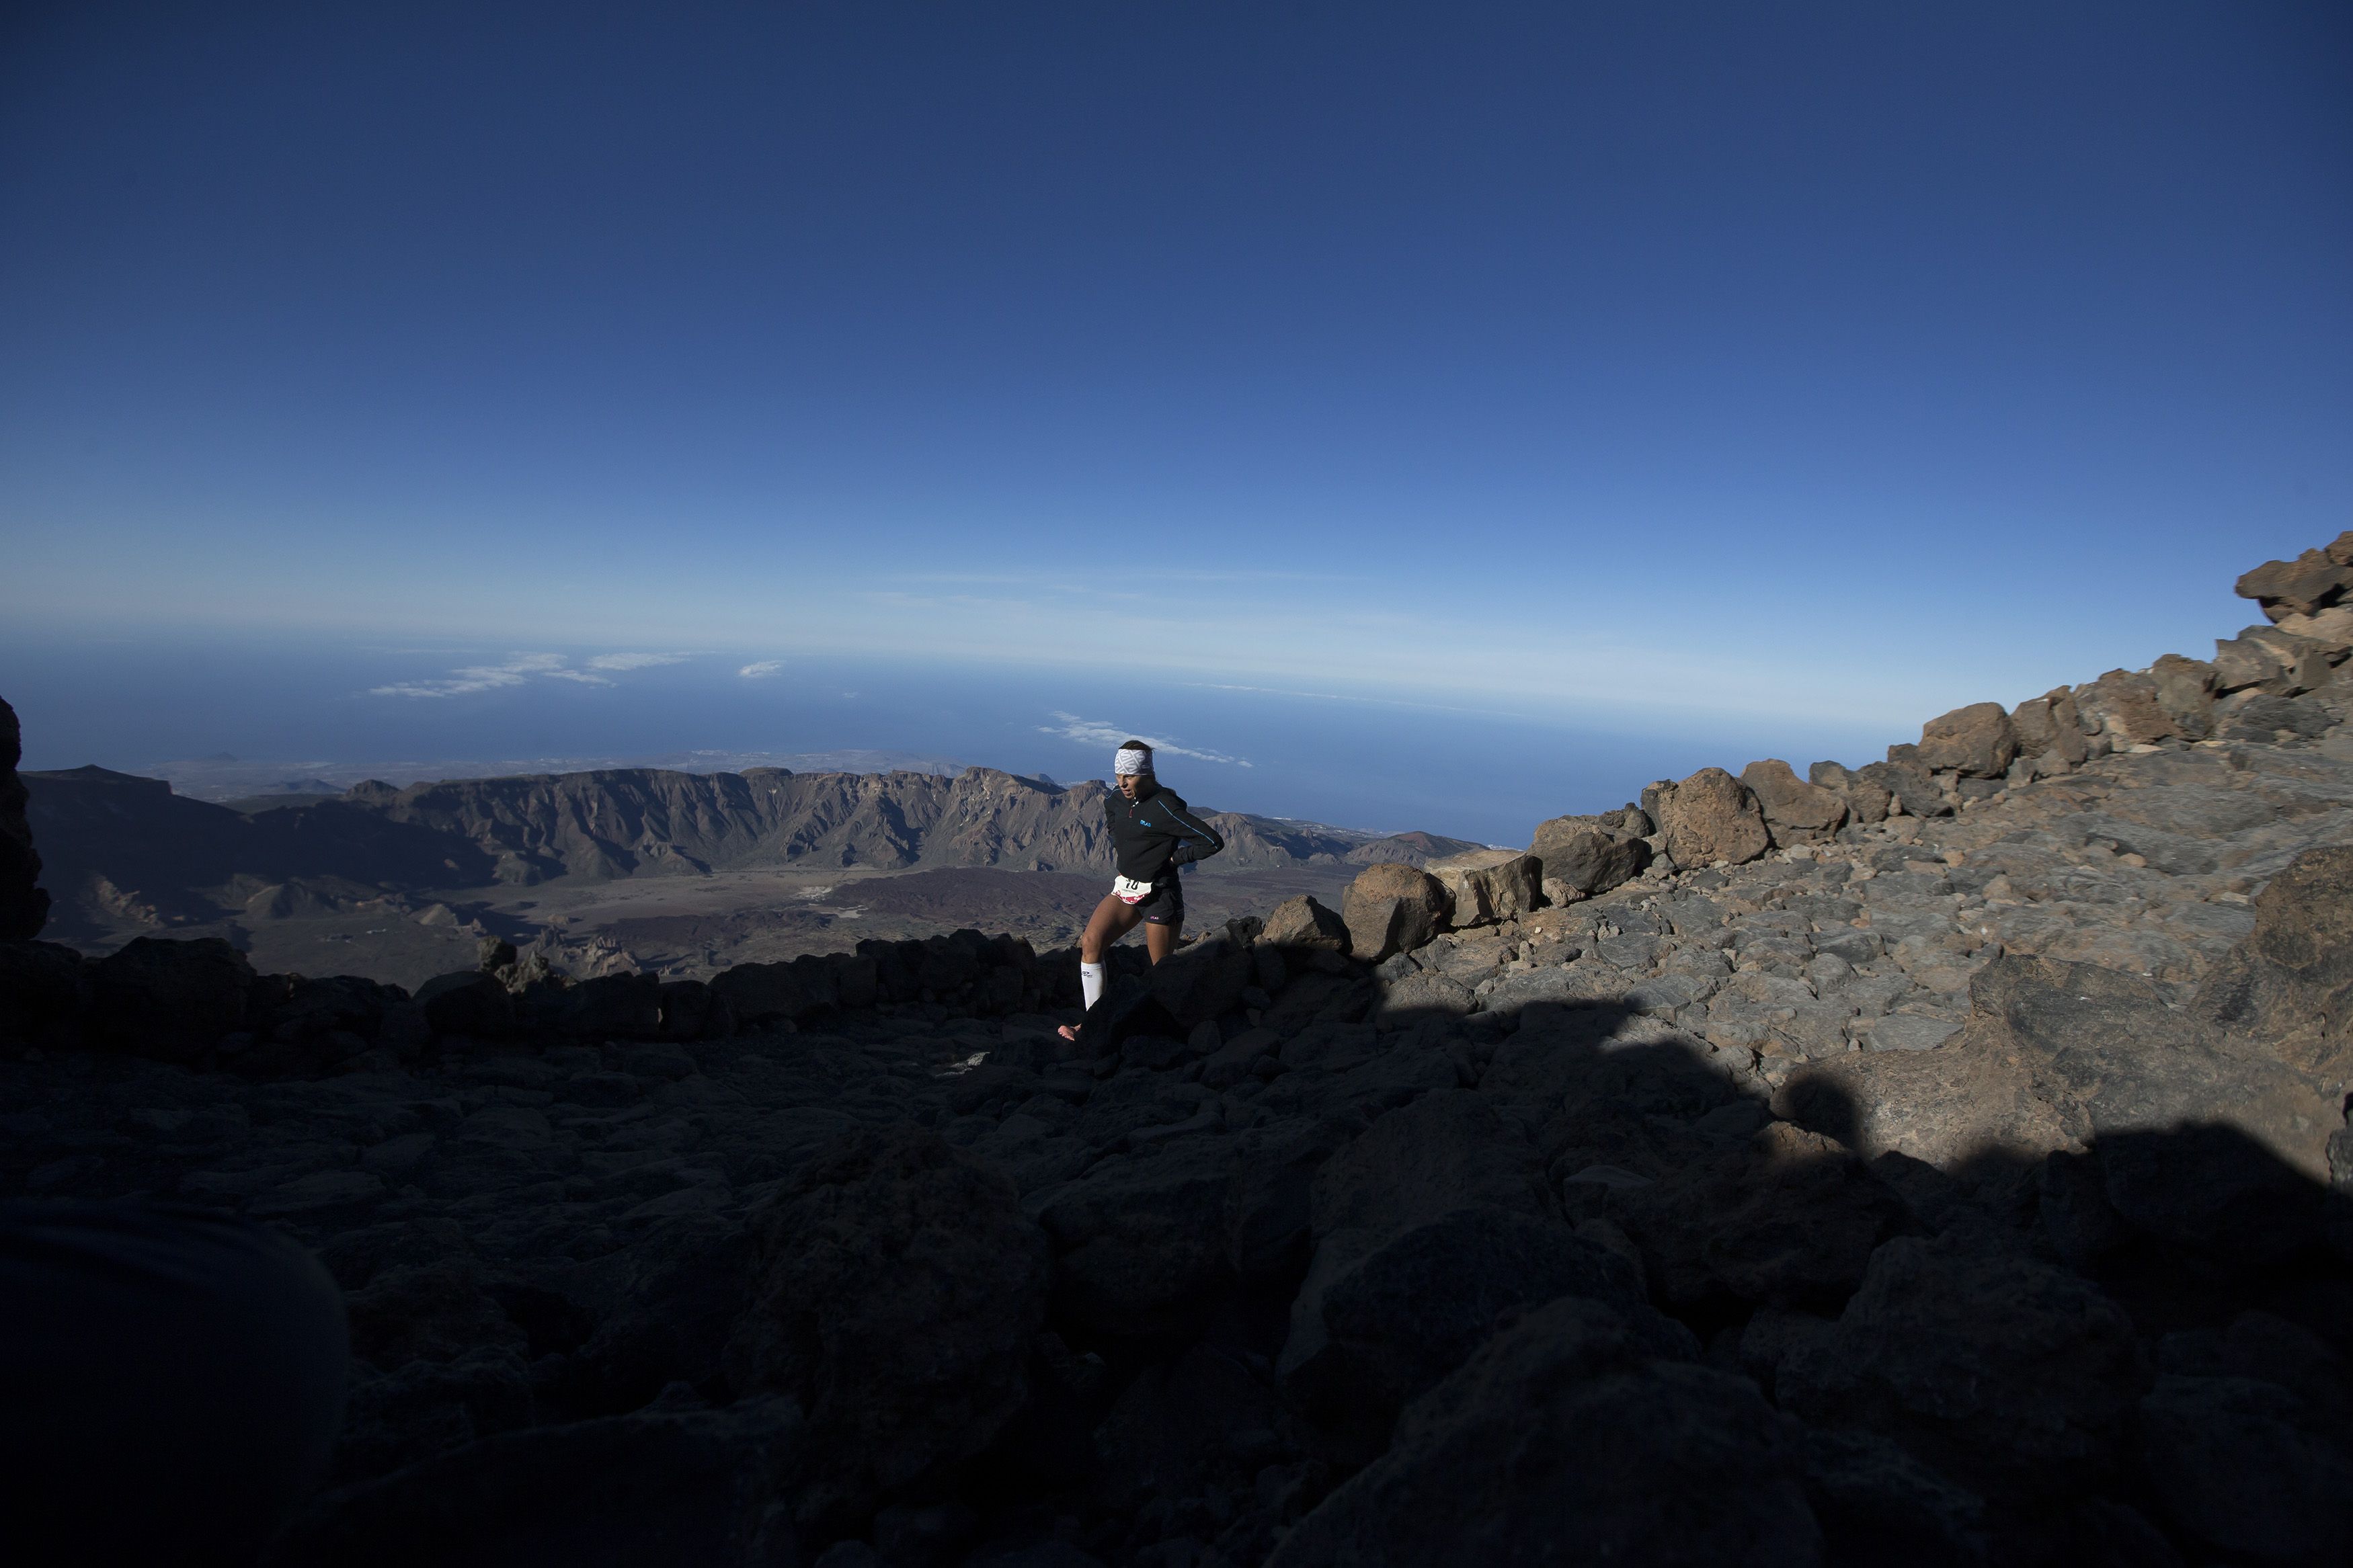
125, 854
1938, 1162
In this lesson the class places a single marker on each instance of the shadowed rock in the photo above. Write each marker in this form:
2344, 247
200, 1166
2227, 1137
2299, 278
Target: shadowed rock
1573, 1426
897, 1288
23, 907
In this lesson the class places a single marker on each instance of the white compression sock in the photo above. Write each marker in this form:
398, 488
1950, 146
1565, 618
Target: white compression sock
1090, 982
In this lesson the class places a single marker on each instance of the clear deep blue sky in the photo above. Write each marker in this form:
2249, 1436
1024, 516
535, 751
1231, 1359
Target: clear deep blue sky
1650, 368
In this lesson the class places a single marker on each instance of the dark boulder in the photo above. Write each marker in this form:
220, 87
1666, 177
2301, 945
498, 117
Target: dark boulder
1373, 1330
1789, 1218
1573, 1437
170, 1000
1877, 1504
2010, 1375
44, 994
897, 1288
23, 907
2235, 1464
1140, 1240
469, 1003
656, 1487
758, 994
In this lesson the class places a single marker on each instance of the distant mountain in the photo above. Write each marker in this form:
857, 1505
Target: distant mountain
237, 780
121, 850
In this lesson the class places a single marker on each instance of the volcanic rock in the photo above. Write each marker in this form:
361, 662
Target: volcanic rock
1573, 1426
897, 1288
1708, 817
23, 904
1579, 857
1484, 886
1795, 812
1302, 925
1392, 907
171, 1000
2000, 1371
1977, 741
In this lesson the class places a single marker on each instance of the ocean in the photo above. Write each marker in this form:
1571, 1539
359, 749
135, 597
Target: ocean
1383, 761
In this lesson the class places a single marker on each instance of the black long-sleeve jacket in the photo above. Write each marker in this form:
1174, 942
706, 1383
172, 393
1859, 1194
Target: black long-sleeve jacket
1154, 834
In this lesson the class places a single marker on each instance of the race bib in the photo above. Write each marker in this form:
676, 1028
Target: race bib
1130, 891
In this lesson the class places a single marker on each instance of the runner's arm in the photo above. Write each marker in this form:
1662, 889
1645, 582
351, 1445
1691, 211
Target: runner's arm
1196, 839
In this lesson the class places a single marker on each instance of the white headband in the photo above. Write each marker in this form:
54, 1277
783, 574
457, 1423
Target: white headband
1131, 762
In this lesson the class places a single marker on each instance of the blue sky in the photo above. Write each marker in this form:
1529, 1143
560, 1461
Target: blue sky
1653, 367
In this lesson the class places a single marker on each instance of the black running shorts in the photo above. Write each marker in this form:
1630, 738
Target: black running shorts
1164, 905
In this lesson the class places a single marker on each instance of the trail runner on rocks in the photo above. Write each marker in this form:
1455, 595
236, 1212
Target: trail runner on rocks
1154, 836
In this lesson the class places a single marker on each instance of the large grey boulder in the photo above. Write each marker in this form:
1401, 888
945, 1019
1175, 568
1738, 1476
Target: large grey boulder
897, 1292
1392, 907
1579, 857
1866, 800
1485, 886
1975, 740
2123, 705
23, 907
2010, 1375
1710, 817
2185, 690
1907, 786
1574, 1437
2049, 731
1795, 812
1301, 925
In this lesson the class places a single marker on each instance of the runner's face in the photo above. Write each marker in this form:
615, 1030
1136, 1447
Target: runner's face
1131, 785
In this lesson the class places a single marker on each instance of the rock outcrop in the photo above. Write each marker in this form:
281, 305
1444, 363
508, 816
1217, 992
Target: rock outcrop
23, 907
1965, 1182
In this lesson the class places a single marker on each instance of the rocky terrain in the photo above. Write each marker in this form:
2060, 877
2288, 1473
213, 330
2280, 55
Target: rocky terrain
1942, 1161
397, 884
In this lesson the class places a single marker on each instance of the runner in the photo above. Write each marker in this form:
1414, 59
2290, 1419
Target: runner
1153, 835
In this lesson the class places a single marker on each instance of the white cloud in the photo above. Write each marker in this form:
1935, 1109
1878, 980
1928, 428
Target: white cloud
635, 660
1097, 732
520, 668
761, 670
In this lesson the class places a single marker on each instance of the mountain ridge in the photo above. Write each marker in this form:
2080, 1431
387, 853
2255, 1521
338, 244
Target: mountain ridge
122, 848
